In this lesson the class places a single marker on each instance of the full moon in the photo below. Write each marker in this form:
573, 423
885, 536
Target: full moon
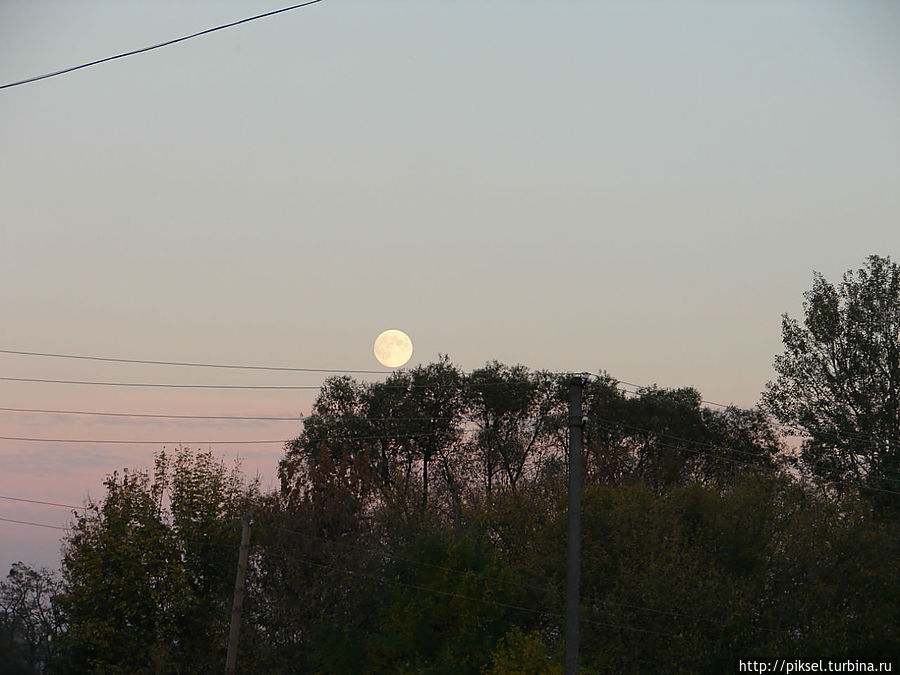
393, 348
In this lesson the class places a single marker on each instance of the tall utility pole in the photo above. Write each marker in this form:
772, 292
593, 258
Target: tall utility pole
238, 605
573, 554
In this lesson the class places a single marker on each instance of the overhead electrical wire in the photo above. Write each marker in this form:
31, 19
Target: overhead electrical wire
274, 369
199, 542
27, 522
298, 418
853, 483
231, 366
167, 386
131, 442
872, 438
612, 424
157, 46
95, 413
785, 427
191, 364
471, 574
282, 441
638, 389
647, 388
412, 386
43, 503
683, 448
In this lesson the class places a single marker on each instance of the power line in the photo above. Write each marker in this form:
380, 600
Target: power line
26, 522
649, 388
411, 387
302, 419
612, 425
636, 386
220, 545
195, 364
95, 413
149, 384
271, 387
192, 364
851, 483
872, 439
38, 501
130, 442
789, 428
298, 418
157, 46
281, 441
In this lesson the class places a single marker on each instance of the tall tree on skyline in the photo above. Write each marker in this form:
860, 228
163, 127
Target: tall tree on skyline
839, 377
509, 406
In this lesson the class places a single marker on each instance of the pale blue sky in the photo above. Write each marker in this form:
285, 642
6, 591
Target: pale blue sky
642, 187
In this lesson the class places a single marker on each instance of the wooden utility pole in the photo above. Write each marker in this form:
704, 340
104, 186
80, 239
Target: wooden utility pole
238, 605
573, 554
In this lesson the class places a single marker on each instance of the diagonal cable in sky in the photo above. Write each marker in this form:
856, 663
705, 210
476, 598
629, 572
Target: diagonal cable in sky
170, 386
157, 46
192, 364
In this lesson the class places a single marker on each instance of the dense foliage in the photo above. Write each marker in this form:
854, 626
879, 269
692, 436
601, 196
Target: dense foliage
149, 572
419, 527
839, 378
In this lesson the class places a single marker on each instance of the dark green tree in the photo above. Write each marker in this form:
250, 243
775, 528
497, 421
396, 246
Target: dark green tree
838, 379
667, 437
509, 407
149, 570
435, 406
394, 436
695, 547
333, 451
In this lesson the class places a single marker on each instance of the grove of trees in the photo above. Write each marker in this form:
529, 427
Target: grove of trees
419, 527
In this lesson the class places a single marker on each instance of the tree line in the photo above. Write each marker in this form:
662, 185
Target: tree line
419, 526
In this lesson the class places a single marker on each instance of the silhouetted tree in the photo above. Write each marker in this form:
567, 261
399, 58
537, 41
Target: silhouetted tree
667, 437
839, 377
30, 620
509, 407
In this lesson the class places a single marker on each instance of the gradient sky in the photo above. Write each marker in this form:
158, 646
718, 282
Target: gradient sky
641, 187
